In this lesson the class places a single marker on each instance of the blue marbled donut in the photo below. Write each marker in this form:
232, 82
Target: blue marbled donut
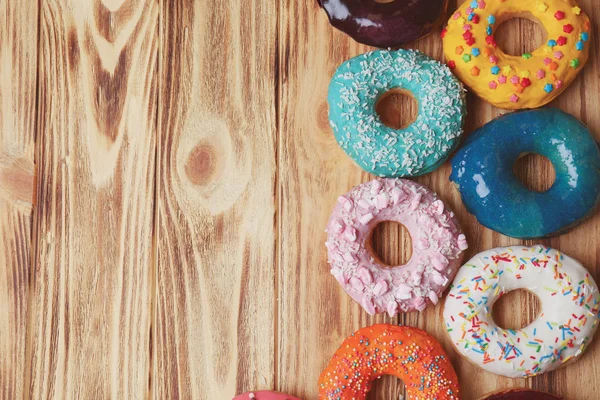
419, 148
483, 171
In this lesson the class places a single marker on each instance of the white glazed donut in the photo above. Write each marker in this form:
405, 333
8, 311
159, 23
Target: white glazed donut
569, 317
438, 245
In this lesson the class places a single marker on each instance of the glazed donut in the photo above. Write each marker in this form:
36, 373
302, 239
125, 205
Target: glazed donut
408, 353
438, 245
569, 317
424, 145
516, 82
385, 24
520, 394
264, 395
483, 171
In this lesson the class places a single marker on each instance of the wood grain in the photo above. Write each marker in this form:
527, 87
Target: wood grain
18, 73
314, 313
90, 313
185, 171
216, 289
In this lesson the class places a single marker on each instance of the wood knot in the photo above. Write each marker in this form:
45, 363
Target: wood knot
323, 117
73, 49
17, 182
203, 164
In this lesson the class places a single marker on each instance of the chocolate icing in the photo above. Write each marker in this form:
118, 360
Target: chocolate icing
385, 24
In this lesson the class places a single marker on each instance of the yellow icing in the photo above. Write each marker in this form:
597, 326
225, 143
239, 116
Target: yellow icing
515, 82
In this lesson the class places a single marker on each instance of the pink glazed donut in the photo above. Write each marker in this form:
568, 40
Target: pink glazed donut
264, 395
438, 246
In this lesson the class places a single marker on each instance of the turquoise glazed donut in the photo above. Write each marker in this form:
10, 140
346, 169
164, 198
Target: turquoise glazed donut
483, 171
421, 147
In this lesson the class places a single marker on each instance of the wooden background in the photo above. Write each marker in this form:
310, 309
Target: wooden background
166, 173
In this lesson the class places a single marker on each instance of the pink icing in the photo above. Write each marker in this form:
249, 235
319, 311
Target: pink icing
264, 395
438, 246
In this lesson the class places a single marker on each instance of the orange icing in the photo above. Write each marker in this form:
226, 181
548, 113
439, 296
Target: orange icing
407, 353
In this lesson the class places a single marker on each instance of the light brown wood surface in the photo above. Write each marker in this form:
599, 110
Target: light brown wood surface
18, 65
166, 173
215, 318
92, 266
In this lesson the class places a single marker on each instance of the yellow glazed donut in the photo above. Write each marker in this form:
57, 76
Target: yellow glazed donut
516, 82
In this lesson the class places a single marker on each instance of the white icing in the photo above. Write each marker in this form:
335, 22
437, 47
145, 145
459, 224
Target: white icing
569, 317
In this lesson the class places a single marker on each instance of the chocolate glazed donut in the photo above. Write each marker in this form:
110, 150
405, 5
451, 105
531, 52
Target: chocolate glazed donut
520, 394
385, 24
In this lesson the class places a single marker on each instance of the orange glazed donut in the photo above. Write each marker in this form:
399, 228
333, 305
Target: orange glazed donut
407, 353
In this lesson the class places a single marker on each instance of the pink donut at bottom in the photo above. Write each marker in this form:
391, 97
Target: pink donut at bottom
264, 395
438, 245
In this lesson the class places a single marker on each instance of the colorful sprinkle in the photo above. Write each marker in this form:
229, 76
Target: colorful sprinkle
561, 41
554, 60
550, 340
542, 7
409, 353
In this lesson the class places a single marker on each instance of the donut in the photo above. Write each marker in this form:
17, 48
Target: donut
408, 353
483, 172
264, 395
569, 300
520, 394
357, 86
515, 82
385, 24
438, 245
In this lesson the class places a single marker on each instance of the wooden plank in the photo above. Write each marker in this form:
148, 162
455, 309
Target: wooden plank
18, 72
89, 330
314, 313
215, 294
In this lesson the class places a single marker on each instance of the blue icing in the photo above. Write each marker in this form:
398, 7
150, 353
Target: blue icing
423, 146
482, 170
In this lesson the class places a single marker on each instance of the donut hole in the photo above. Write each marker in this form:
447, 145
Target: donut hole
535, 172
518, 34
391, 244
397, 108
386, 387
516, 309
